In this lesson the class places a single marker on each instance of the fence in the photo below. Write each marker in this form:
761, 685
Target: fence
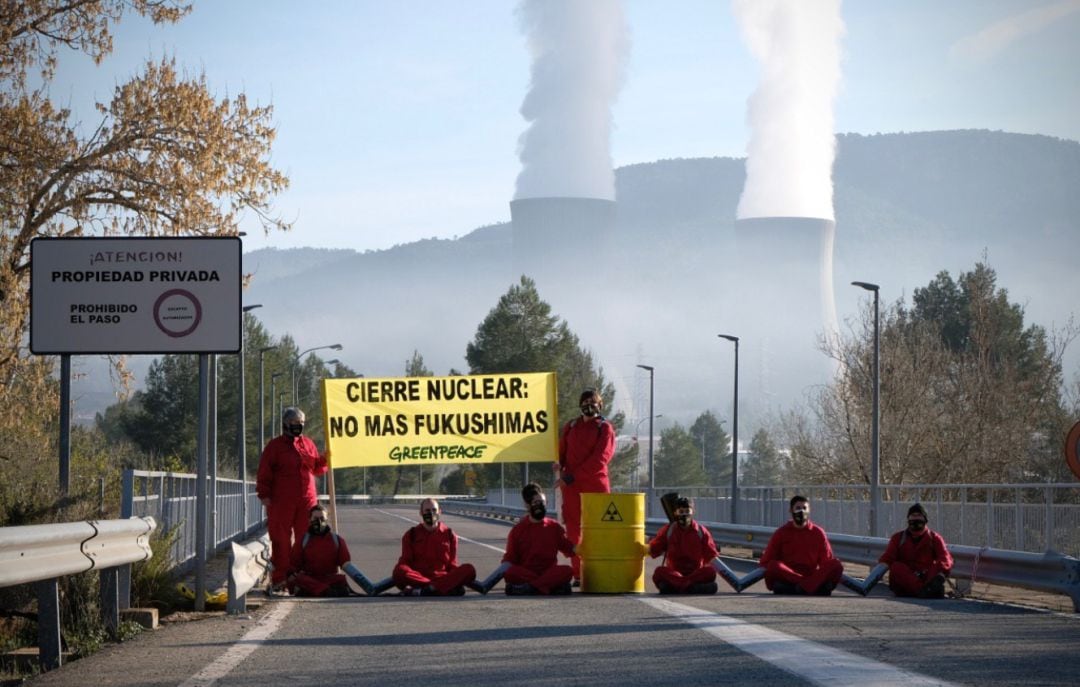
169, 498
1017, 517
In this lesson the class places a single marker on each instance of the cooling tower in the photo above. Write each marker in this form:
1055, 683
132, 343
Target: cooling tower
785, 301
556, 240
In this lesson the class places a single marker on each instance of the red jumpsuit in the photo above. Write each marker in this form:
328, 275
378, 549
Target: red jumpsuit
531, 551
908, 556
688, 555
316, 564
801, 556
287, 470
586, 446
430, 558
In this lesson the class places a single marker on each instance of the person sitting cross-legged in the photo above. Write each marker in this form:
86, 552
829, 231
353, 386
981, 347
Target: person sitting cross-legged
798, 558
428, 565
688, 549
532, 547
918, 558
316, 558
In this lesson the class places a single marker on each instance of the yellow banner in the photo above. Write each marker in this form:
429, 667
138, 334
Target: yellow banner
431, 420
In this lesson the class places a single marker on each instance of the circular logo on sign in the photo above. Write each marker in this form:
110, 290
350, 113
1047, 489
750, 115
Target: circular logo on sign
177, 312
1072, 449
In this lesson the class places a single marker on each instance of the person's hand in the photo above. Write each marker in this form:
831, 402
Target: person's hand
645, 549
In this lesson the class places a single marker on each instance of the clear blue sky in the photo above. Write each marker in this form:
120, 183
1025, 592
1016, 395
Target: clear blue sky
398, 119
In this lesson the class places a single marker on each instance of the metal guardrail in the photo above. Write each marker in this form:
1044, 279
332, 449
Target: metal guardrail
41, 554
247, 565
1049, 572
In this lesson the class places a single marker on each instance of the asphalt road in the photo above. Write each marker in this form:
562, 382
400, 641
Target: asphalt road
586, 639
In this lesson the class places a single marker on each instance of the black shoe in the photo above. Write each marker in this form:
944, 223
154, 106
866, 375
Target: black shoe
562, 589
457, 591
524, 589
780, 587
825, 589
703, 588
935, 588
576, 583
338, 590
665, 588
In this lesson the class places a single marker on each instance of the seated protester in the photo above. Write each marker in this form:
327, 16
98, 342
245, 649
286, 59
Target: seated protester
918, 559
315, 559
688, 549
798, 558
532, 547
428, 565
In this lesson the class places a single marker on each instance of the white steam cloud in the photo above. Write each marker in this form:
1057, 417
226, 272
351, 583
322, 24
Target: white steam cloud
578, 53
792, 139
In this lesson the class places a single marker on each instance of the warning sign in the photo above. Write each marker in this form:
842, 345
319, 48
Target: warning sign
611, 514
1072, 449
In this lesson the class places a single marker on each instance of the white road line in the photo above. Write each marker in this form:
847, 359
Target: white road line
809, 660
417, 522
242, 648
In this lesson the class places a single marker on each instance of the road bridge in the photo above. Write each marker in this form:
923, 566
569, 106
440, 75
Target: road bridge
749, 638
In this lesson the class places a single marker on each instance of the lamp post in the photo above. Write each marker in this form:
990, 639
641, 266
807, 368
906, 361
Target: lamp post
273, 396
636, 428
734, 435
241, 424
296, 361
875, 424
262, 397
652, 475
328, 363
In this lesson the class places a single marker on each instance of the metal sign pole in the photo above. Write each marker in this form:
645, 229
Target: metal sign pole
200, 484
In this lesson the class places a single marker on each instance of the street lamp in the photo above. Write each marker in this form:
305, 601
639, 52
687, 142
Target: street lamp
636, 428
296, 361
652, 475
241, 424
273, 396
875, 445
734, 435
262, 397
328, 363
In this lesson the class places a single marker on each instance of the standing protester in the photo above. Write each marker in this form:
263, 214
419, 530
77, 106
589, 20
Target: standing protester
586, 446
531, 550
799, 559
316, 558
286, 486
688, 550
918, 559
428, 565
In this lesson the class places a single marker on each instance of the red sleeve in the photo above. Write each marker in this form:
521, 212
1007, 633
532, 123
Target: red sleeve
453, 548
892, 551
658, 544
512, 555
941, 552
264, 481
407, 553
565, 545
321, 465
296, 556
596, 462
772, 551
711, 550
562, 445
343, 555
827, 548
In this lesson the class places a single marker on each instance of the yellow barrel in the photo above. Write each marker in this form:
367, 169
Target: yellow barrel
612, 537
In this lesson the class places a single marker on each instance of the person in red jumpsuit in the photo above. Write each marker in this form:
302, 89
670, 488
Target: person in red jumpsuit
798, 558
586, 445
918, 559
688, 550
316, 558
286, 486
532, 547
428, 565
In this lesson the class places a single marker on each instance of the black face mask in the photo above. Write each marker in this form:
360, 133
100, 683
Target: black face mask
318, 527
429, 518
800, 516
916, 525
683, 520
538, 511
590, 409
294, 430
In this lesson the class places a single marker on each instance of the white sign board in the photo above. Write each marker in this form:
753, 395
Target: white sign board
135, 295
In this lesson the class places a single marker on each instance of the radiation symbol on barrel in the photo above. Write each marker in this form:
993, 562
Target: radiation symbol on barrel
611, 514
1072, 449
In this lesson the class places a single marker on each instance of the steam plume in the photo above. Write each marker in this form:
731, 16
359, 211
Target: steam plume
792, 140
578, 55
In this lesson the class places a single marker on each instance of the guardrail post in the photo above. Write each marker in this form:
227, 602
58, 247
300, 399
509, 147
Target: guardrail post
48, 598
1019, 522
127, 493
110, 600
237, 603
